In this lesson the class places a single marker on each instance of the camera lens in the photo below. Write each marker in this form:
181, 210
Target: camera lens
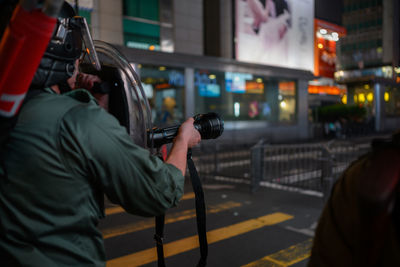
209, 125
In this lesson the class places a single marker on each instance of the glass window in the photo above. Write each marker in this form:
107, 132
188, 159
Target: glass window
364, 96
141, 35
164, 88
145, 9
141, 26
243, 96
287, 101
392, 101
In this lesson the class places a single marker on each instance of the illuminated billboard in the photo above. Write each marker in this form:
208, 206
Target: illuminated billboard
236, 82
326, 36
275, 32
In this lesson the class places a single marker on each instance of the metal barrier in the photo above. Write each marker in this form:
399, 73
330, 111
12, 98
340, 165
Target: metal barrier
223, 160
305, 166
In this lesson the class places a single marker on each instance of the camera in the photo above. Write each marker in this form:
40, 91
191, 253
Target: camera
209, 125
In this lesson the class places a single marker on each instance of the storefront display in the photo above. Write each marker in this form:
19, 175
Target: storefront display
245, 97
392, 101
164, 88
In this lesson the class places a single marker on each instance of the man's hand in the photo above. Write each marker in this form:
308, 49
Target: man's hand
188, 133
187, 137
86, 81
82, 80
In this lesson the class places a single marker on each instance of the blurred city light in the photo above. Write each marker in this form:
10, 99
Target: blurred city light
370, 97
386, 96
361, 97
236, 107
344, 99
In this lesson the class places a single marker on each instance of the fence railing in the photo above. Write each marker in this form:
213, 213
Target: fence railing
304, 166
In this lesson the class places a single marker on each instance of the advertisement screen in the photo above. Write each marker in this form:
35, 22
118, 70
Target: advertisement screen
276, 32
236, 82
206, 83
209, 90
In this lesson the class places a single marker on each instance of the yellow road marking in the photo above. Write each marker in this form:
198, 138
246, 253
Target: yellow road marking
189, 243
114, 210
188, 196
170, 218
118, 209
285, 257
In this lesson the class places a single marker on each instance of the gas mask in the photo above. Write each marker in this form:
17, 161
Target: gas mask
71, 40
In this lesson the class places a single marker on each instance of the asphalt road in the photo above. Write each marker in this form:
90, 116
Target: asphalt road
271, 227
268, 228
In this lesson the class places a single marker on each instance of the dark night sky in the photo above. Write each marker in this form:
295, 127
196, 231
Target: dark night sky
329, 10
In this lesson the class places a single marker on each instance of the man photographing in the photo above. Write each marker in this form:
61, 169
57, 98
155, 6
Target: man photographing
64, 153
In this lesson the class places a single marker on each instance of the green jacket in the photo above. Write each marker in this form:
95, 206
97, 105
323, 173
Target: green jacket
63, 155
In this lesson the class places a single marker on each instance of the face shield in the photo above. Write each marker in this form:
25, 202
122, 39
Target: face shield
127, 101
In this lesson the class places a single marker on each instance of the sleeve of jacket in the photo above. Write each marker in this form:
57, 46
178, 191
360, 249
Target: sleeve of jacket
96, 147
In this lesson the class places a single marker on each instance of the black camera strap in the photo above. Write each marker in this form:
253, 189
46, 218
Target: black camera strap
200, 210
200, 217
159, 237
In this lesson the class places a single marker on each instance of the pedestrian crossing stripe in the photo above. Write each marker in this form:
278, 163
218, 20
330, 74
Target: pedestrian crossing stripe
118, 209
169, 218
189, 243
285, 257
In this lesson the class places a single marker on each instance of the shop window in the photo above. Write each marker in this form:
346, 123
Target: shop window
287, 101
243, 96
164, 88
363, 95
392, 101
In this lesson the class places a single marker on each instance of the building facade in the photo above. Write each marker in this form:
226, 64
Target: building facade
186, 54
369, 59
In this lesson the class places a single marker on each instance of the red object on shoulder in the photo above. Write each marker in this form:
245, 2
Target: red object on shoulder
23, 44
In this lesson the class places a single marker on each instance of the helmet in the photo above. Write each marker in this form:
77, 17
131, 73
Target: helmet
65, 47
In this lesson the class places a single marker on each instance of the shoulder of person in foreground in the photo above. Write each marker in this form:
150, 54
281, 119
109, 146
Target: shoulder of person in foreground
358, 220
